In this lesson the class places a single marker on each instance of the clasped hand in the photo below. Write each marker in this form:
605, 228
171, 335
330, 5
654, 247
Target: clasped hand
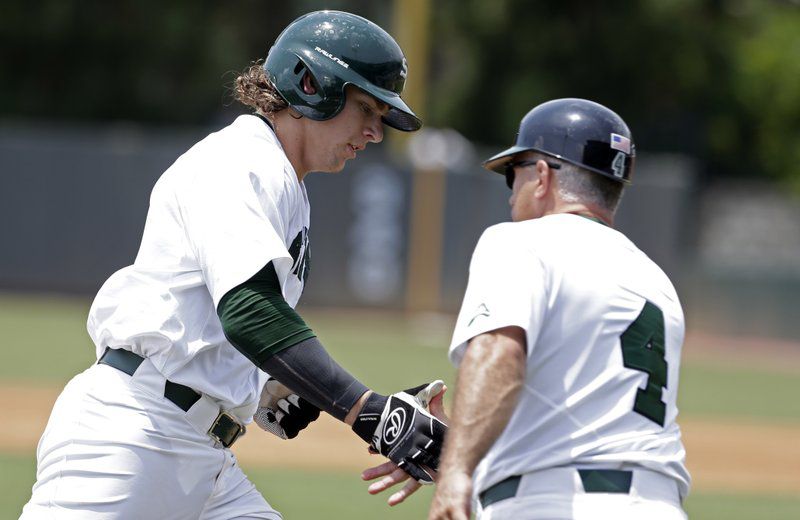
391, 473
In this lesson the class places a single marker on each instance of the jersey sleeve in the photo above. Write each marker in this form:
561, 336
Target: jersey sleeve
506, 287
235, 222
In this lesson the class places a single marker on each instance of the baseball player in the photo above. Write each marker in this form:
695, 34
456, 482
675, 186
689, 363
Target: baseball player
568, 342
187, 335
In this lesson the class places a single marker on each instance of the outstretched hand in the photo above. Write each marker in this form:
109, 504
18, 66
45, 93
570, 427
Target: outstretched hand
391, 473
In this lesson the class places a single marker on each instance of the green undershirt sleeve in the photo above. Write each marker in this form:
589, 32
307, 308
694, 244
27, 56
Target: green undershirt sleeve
257, 320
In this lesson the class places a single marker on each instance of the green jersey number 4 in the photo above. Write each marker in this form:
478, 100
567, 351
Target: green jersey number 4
643, 350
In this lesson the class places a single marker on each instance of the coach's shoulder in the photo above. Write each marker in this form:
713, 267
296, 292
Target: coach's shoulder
514, 231
496, 232
499, 237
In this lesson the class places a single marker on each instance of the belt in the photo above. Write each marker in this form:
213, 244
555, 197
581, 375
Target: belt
592, 481
225, 429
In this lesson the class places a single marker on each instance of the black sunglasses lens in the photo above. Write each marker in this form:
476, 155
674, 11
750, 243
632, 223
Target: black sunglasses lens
510, 177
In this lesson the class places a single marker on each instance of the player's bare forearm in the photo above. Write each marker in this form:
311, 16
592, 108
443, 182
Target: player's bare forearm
490, 378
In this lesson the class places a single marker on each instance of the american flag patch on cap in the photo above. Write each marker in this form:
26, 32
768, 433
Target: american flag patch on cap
620, 143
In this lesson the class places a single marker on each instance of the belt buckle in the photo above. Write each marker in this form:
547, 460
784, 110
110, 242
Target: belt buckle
226, 429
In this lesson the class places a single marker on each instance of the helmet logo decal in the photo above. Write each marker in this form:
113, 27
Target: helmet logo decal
621, 143
331, 56
618, 164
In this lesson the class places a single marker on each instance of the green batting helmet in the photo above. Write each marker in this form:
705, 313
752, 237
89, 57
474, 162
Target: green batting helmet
339, 49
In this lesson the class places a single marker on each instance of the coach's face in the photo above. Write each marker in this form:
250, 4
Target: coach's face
530, 189
340, 138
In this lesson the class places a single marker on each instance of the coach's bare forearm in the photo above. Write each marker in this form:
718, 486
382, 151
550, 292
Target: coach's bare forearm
490, 378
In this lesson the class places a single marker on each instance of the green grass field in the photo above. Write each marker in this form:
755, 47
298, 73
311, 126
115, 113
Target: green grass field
44, 341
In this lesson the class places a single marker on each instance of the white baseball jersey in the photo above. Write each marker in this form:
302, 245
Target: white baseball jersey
604, 333
222, 211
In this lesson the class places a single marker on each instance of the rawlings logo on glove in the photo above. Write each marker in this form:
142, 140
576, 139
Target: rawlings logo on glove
400, 428
282, 412
394, 425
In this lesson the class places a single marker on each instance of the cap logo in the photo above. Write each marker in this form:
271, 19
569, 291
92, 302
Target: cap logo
621, 143
332, 57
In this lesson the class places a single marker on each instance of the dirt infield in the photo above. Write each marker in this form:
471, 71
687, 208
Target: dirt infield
723, 455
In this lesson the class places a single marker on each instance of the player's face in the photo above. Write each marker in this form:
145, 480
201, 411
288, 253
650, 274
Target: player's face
340, 138
525, 201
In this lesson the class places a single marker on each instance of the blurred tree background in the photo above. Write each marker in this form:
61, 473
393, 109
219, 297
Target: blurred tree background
717, 79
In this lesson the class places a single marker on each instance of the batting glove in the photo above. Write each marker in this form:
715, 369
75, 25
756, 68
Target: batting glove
400, 428
282, 412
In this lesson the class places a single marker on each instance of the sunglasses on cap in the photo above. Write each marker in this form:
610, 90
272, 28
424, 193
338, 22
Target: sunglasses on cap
509, 171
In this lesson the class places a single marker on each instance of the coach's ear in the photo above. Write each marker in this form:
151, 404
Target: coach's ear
545, 177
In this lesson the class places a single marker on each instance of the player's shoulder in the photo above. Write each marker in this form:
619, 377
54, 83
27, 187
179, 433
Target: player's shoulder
250, 139
246, 139
246, 149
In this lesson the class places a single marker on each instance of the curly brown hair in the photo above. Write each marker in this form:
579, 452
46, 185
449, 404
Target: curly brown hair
254, 89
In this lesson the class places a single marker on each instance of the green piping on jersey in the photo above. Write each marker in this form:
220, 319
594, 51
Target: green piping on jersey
589, 217
257, 320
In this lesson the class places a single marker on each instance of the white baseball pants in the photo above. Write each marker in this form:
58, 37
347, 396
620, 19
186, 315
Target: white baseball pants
557, 494
116, 448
